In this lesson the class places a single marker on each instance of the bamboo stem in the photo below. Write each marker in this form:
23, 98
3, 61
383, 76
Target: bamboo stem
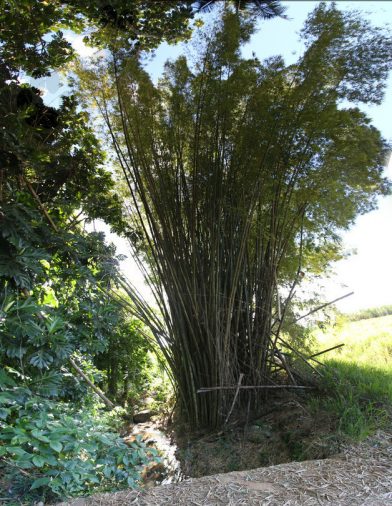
323, 306
326, 351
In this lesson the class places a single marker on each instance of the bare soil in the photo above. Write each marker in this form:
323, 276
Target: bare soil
286, 431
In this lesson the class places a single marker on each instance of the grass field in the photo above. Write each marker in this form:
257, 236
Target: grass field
366, 342
358, 375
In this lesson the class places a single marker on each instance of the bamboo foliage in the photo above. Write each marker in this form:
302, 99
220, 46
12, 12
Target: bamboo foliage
237, 171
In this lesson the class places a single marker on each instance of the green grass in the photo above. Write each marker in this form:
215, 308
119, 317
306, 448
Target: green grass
366, 342
358, 379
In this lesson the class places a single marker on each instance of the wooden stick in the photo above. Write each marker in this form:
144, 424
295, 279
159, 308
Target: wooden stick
325, 351
97, 390
235, 398
248, 387
322, 306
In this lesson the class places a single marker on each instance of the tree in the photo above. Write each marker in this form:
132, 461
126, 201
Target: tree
56, 309
265, 8
241, 174
32, 36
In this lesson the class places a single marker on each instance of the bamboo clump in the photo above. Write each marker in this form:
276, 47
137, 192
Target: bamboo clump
215, 213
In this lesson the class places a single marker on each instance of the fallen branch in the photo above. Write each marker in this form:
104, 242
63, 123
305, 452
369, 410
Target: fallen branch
301, 356
285, 366
97, 390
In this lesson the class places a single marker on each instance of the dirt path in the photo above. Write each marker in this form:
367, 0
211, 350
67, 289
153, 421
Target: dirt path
361, 475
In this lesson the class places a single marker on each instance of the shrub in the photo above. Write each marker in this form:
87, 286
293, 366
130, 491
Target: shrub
52, 449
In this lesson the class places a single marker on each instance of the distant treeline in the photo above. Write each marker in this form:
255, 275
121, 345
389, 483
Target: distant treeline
374, 312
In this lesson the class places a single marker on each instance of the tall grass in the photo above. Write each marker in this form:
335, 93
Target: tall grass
366, 342
358, 377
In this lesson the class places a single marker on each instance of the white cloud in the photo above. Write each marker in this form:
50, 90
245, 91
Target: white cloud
368, 272
81, 48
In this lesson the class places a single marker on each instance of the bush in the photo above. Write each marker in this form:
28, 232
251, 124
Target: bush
51, 449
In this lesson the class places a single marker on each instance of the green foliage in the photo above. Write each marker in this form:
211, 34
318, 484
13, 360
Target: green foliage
32, 36
52, 292
125, 359
267, 9
55, 278
25, 26
55, 303
33, 40
56, 152
128, 27
52, 449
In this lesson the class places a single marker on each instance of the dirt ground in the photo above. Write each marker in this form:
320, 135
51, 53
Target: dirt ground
359, 475
286, 432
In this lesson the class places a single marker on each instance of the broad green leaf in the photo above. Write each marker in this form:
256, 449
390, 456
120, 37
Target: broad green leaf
25, 463
4, 412
56, 446
40, 436
16, 450
41, 359
38, 461
40, 482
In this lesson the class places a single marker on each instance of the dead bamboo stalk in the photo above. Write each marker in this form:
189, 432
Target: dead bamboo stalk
235, 397
248, 387
97, 390
285, 366
301, 356
326, 351
323, 306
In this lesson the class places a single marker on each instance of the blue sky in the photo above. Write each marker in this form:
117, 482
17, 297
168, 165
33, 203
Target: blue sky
369, 272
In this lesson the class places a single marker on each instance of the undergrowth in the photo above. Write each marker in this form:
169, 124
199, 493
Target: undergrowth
52, 450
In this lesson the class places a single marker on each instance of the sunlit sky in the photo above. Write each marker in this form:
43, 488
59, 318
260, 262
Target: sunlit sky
368, 272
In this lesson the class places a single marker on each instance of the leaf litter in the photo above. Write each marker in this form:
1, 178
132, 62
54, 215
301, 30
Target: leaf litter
359, 475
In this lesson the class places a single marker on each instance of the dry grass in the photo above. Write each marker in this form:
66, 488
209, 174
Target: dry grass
360, 475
